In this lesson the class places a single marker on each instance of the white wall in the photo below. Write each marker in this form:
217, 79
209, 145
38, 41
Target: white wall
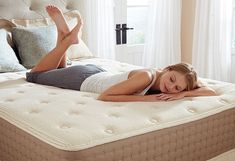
187, 24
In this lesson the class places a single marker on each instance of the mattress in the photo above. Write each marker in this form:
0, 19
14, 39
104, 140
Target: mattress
227, 156
41, 122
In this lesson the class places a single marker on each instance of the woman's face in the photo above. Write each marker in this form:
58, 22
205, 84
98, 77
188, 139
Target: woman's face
172, 82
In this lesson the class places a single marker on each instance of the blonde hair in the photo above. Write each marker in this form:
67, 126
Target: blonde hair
188, 71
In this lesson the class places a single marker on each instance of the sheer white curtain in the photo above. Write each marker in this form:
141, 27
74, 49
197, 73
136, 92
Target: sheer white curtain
212, 39
162, 45
99, 23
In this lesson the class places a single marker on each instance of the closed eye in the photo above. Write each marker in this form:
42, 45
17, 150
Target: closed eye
178, 88
173, 78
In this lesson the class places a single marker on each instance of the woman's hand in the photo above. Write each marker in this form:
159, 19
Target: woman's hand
170, 96
201, 91
164, 97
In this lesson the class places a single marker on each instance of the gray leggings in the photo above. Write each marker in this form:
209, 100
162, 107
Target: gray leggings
68, 78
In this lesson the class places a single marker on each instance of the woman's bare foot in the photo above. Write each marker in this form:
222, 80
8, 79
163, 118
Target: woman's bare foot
72, 37
57, 16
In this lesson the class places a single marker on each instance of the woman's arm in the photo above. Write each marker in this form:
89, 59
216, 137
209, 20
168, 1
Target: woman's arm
129, 98
124, 91
200, 91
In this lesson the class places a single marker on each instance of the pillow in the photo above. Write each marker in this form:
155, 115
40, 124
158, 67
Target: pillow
7, 25
33, 43
74, 52
8, 59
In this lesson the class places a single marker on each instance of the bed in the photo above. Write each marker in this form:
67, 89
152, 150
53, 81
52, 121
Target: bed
44, 123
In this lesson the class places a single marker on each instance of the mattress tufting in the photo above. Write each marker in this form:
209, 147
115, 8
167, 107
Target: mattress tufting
72, 120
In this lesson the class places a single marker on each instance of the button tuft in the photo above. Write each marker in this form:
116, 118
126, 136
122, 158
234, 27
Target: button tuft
81, 103
44, 102
192, 110
53, 93
114, 115
109, 131
86, 95
65, 126
154, 120
224, 101
74, 112
117, 105
34, 111
9, 100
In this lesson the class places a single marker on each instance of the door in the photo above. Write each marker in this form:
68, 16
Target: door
131, 21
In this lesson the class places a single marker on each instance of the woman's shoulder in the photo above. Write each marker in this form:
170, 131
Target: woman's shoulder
143, 73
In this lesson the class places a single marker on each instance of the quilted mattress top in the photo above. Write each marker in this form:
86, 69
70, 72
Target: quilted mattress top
73, 120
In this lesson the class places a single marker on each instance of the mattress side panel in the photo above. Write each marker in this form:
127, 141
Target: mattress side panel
198, 140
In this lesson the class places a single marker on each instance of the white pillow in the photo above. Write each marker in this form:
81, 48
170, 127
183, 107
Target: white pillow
8, 59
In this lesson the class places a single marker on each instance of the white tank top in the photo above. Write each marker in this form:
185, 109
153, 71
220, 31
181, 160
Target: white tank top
100, 82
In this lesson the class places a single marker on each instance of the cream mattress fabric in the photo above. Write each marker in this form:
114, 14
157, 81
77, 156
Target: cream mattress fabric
227, 156
72, 120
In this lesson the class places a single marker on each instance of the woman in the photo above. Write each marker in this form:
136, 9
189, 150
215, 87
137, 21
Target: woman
174, 82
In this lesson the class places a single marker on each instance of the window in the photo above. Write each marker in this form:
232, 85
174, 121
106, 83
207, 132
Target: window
131, 18
137, 18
